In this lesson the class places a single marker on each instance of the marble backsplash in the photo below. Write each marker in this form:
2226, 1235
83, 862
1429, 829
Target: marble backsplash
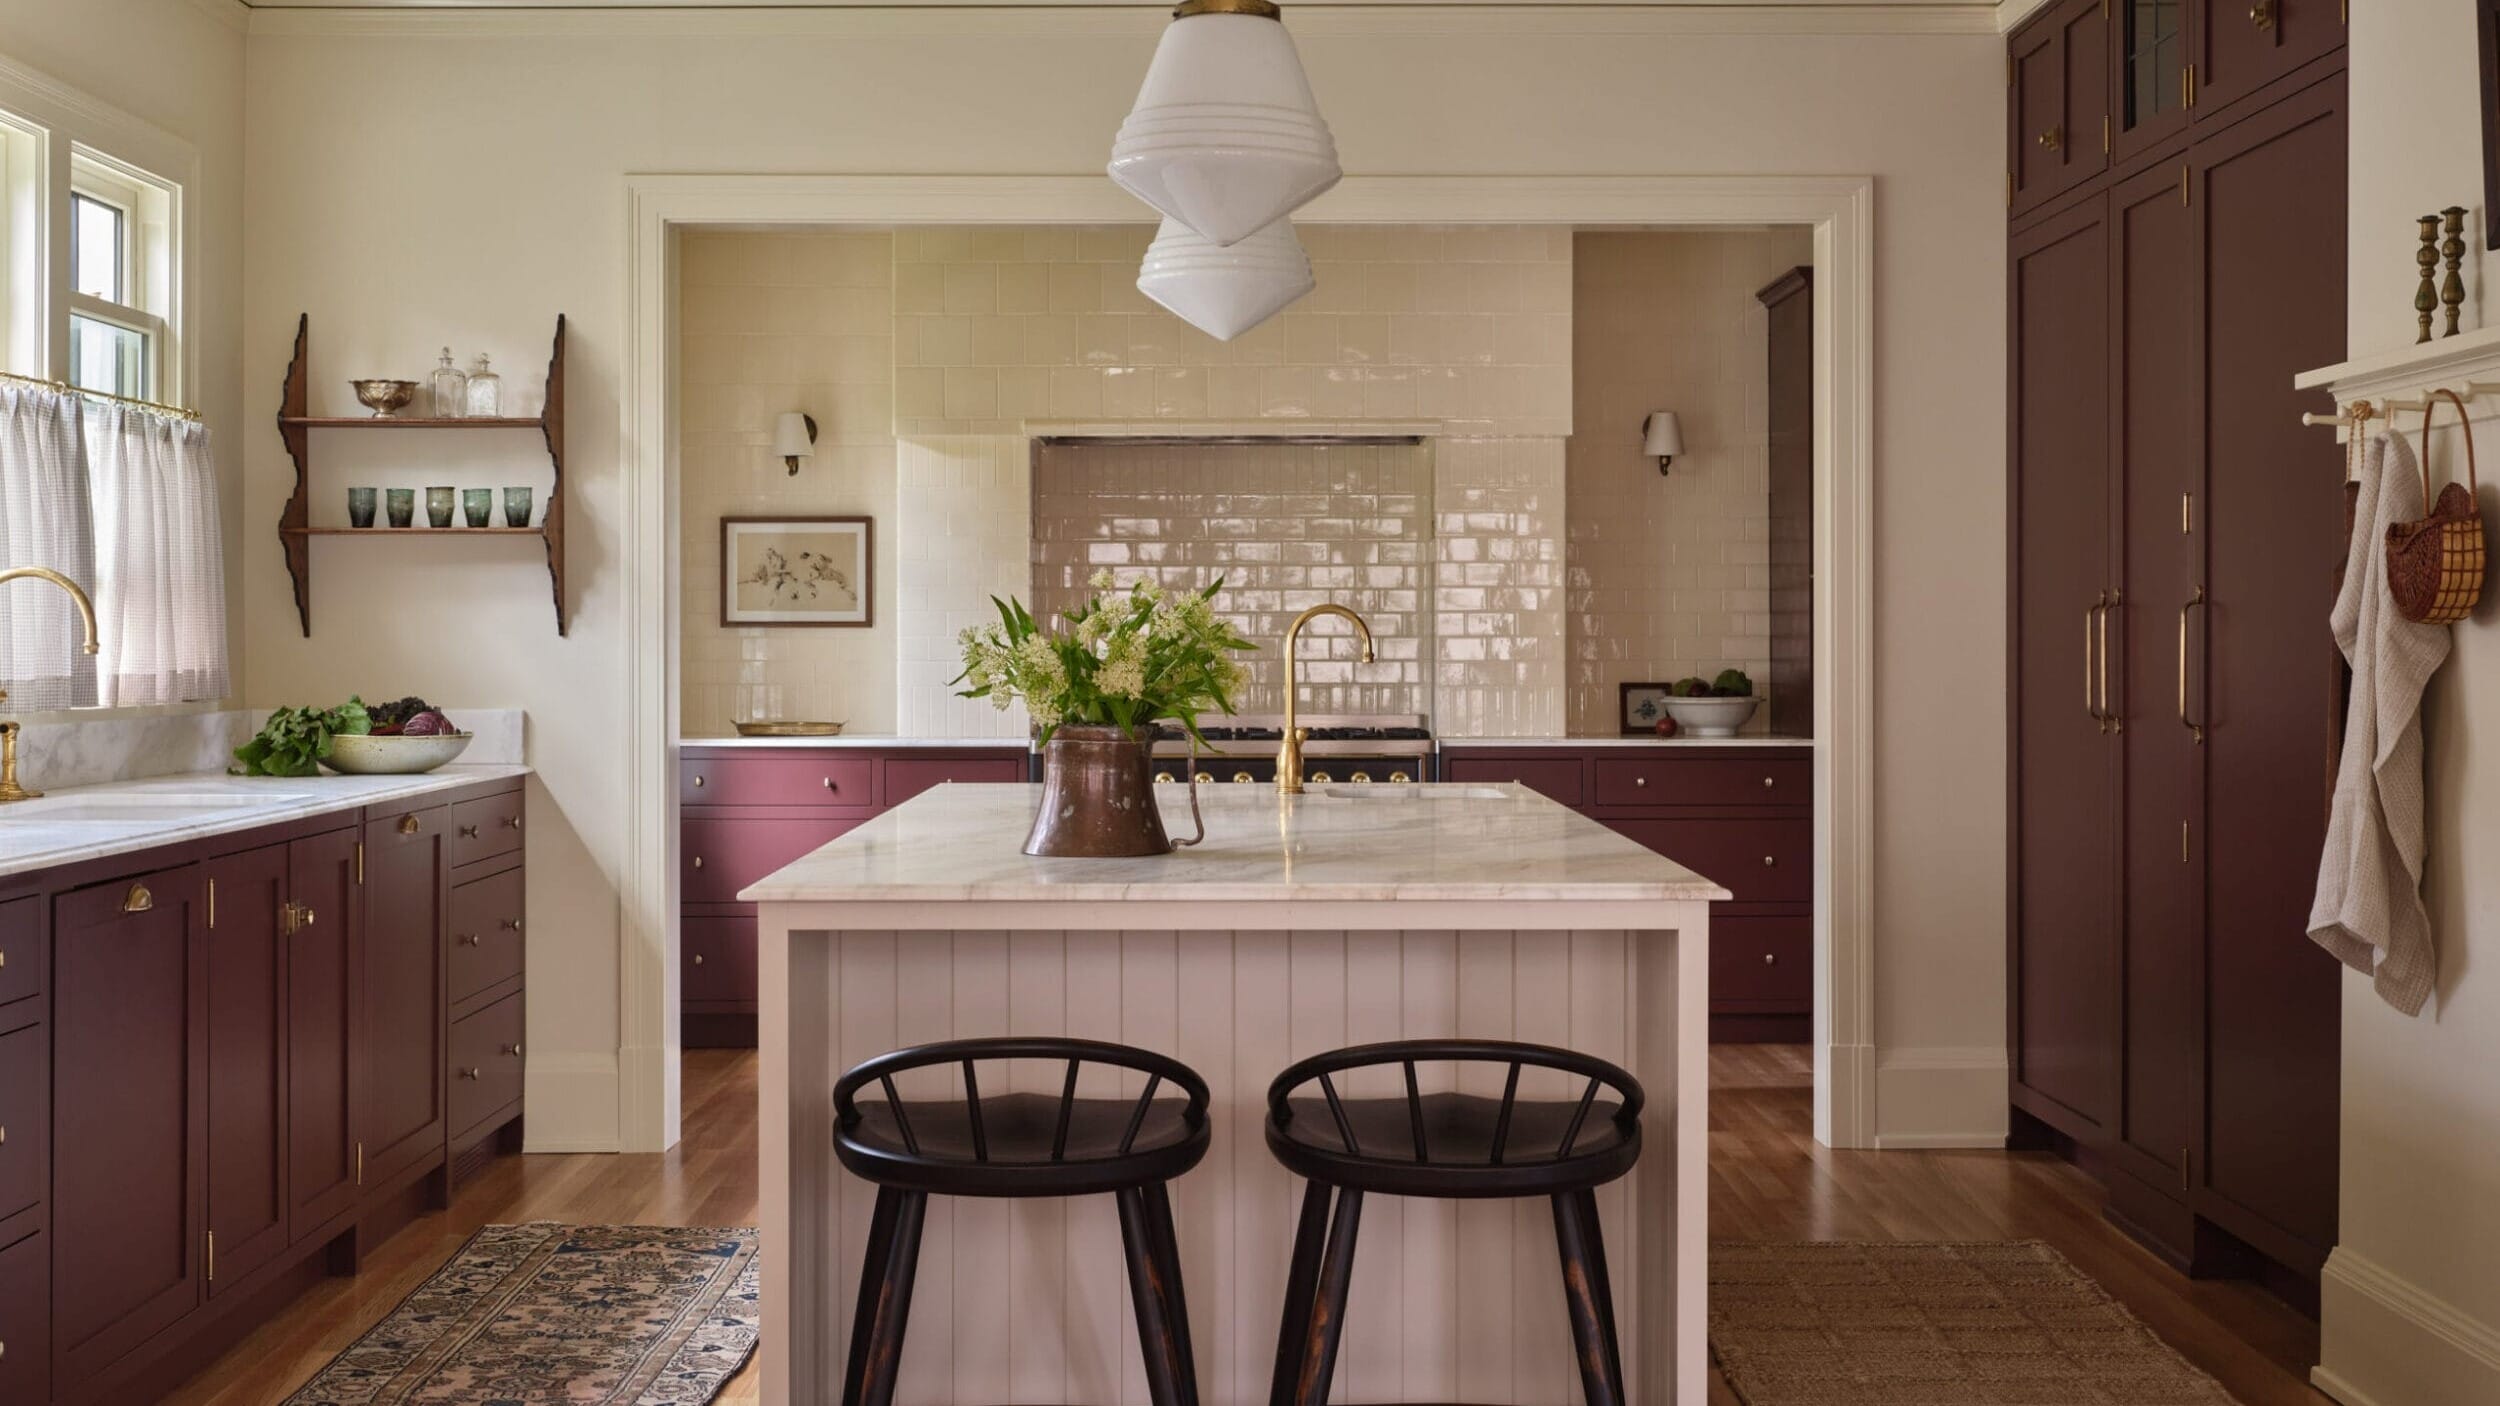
53, 755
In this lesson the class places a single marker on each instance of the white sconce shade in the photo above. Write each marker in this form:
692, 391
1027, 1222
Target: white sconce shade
1225, 136
794, 438
1662, 438
1222, 291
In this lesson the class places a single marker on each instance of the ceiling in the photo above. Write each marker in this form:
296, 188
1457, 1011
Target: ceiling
1936, 5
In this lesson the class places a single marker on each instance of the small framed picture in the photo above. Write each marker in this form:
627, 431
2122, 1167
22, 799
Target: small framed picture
1644, 704
796, 571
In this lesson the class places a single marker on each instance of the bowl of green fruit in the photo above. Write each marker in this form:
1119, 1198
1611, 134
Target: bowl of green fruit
1714, 707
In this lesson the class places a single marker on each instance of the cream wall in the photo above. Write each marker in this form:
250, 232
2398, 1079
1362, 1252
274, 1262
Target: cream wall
501, 203
179, 68
1670, 575
773, 323
2411, 1296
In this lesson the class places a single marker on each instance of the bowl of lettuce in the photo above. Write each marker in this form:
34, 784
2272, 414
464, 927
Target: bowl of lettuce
302, 741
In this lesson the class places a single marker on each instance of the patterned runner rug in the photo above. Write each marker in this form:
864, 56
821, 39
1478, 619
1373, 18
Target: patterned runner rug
1862, 1323
589, 1315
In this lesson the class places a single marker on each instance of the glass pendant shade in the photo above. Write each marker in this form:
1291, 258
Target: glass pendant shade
1225, 136
1223, 290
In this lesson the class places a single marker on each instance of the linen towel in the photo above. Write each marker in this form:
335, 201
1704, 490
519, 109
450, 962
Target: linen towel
2368, 910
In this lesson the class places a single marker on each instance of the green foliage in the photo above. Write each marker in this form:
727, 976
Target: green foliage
1732, 683
294, 740
1125, 659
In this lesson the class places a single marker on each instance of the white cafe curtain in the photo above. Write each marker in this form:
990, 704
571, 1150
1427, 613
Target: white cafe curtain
160, 558
44, 521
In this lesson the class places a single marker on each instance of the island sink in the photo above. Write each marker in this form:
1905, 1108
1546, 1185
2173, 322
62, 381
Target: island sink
1303, 924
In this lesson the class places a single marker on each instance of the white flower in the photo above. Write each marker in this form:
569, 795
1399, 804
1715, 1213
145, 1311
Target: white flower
1102, 580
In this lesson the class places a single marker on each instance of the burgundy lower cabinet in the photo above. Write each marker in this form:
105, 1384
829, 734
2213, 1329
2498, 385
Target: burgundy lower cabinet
1742, 816
225, 1062
488, 956
748, 811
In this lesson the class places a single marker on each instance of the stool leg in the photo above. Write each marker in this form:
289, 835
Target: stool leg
1154, 1287
885, 1280
1167, 1248
1590, 1296
1319, 1356
1310, 1240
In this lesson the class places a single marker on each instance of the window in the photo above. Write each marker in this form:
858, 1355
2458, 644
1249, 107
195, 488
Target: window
117, 303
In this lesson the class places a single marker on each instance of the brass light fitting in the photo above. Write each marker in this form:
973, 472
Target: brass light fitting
1289, 756
1256, 9
10, 790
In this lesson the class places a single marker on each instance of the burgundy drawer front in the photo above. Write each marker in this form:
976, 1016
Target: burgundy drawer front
26, 1321
719, 855
1762, 965
485, 1063
1555, 778
1703, 781
21, 951
1759, 861
484, 828
23, 1120
906, 777
719, 957
486, 945
808, 779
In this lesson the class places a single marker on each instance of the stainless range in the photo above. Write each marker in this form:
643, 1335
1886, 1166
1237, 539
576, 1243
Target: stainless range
1389, 748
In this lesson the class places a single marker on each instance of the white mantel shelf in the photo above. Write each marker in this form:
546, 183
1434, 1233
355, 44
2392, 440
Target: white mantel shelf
1301, 925
2405, 373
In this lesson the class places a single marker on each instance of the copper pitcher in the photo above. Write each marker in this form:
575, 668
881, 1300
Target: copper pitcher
1098, 798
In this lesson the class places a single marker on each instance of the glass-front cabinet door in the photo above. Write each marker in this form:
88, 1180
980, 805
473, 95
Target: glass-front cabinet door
2153, 75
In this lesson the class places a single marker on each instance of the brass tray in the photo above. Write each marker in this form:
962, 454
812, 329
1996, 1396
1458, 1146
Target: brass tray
773, 728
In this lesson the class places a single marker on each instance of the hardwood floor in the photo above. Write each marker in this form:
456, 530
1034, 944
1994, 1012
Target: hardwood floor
1768, 1180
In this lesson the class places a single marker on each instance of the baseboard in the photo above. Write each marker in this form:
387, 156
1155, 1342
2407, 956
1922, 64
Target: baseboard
2386, 1342
1940, 1096
1844, 1102
572, 1103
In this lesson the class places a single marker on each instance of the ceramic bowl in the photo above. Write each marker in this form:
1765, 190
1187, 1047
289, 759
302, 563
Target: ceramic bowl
394, 756
384, 398
1709, 717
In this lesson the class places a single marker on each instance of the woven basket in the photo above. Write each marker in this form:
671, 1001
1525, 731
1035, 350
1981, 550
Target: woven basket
2435, 566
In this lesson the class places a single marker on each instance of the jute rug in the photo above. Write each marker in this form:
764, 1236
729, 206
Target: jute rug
592, 1315
2009, 1323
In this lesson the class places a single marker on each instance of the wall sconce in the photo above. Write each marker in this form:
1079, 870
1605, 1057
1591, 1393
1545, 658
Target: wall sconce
1661, 438
794, 438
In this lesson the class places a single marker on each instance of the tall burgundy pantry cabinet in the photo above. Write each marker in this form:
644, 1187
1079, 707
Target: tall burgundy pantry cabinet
2176, 182
228, 1065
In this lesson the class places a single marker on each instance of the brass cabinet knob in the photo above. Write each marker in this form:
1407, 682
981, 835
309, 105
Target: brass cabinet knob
698, 959
1770, 959
829, 783
698, 782
698, 861
472, 1074
1640, 781
2053, 138
4, 959
1769, 861
303, 916
513, 1049
512, 822
1768, 783
468, 832
2261, 14
470, 939
4, 1134
512, 924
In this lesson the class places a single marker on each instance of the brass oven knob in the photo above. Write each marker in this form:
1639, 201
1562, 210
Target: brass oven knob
1242, 776
1362, 778
1163, 778
1321, 776
1203, 779
1399, 777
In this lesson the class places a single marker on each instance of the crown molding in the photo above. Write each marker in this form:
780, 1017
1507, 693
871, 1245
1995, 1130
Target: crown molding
2012, 13
233, 15
1037, 17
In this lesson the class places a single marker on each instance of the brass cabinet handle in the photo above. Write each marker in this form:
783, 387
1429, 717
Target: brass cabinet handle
2053, 138
138, 900
1202, 779
828, 783
2261, 14
2116, 723
1322, 777
2197, 729
468, 832
2091, 698
303, 916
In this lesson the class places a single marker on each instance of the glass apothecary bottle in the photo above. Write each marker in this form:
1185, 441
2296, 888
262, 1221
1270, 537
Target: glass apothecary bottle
450, 390
485, 391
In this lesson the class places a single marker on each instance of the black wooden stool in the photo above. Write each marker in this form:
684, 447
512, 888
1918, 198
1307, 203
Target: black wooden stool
1020, 1145
1449, 1146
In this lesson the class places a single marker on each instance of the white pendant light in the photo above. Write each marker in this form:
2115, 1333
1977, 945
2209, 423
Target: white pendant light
1225, 291
1225, 136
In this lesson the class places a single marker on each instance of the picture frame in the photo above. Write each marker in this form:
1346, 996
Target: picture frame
1639, 706
798, 571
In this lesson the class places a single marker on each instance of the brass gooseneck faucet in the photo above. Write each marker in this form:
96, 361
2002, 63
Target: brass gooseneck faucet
9, 789
1289, 756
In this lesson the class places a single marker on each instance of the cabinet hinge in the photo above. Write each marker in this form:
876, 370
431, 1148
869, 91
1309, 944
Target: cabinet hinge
360, 862
2183, 842
2188, 78
2187, 513
360, 1164
2104, 134
212, 904
212, 1257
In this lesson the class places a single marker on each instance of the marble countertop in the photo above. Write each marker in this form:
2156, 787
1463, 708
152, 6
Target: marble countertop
93, 822
879, 742
1748, 740
964, 843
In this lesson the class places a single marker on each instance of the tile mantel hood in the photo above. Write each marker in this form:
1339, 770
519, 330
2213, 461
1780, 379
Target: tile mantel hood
1236, 431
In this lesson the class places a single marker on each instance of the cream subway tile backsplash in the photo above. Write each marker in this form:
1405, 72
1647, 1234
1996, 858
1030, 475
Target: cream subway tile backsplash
778, 322
1467, 325
1669, 576
1498, 618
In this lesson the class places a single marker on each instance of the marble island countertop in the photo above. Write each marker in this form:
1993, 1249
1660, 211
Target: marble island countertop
1577, 743
1470, 843
884, 742
78, 823
889, 742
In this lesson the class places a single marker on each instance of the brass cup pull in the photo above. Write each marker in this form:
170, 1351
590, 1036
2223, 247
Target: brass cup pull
138, 900
468, 832
1203, 779
2053, 138
410, 825
1399, 778
1322, 777
2197, 729
2261, 14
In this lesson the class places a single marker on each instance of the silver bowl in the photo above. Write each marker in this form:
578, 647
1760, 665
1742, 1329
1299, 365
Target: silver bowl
393, 756
384, 398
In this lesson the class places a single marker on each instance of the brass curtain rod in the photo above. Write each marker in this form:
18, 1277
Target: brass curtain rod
156, 407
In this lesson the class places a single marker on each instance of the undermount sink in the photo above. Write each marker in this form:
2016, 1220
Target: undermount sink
130, 809
1414, 793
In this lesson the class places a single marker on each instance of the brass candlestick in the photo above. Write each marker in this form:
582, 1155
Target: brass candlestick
2426, 258
2452, 288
